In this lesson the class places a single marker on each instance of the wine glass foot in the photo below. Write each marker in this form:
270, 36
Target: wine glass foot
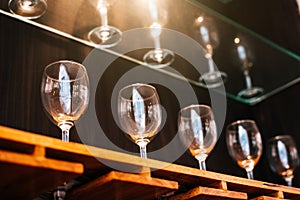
159, 58
251, 92
30, 9
105, 36
213, 79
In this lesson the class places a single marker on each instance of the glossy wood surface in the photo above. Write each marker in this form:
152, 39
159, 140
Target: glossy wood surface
118, 185
164, 180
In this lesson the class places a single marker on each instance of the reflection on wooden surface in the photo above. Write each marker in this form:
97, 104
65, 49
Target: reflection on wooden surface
40, 171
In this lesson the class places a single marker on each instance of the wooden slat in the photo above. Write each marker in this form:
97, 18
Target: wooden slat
266, 198
26, 176
90, 156
119, 185
219, 184
209, 193
40, 162
278, 194
194, 177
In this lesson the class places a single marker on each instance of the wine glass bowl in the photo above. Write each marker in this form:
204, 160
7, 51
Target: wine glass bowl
140, 114
30, 9
104, 36
65, 93
244, 144
209, 40
198, 132
283, 156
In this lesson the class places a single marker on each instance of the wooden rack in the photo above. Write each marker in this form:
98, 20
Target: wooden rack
31, 164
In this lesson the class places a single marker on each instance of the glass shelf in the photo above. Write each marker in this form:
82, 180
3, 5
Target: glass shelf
274, 68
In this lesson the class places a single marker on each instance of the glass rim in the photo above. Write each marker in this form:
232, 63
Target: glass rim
241, 122
195, 106
138, 84
277, 137
65, 61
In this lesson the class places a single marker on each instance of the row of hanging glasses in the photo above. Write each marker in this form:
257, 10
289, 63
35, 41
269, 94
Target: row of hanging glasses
106, 36
65, 96
198, 132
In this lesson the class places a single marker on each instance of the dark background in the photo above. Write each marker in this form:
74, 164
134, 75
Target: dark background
26, 50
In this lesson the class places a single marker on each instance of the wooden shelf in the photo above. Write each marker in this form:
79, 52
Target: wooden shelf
31, 164
119, 185
27, 172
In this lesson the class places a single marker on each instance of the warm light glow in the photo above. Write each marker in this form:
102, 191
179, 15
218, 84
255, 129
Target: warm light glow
103, 4
200, 19
155, 25
27, 5
153, 10
298, 2
103, 10
237, 40
100, 4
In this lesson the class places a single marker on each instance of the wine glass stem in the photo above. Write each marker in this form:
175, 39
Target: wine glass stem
248, 80
157, 43
143, 147
103, 12
143, 151
250, 174
60, 193
202, 164
288, 180
65, 135
211, 67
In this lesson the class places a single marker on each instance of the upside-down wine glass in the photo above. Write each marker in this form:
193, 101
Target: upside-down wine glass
30, 9
140, 114
65, 93
105, 36
244, 144
197, 130
283, 156
246, 63
209, 39
158, 57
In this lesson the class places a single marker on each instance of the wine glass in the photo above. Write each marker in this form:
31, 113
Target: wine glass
30, 9
140, 114
245, 60
65, 93
209, 40
158, 57
105, 36
283, 156
244, 144
198, 131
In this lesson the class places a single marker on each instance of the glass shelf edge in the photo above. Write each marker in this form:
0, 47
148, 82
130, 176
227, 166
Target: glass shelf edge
87, 43
251, 102
245, 29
